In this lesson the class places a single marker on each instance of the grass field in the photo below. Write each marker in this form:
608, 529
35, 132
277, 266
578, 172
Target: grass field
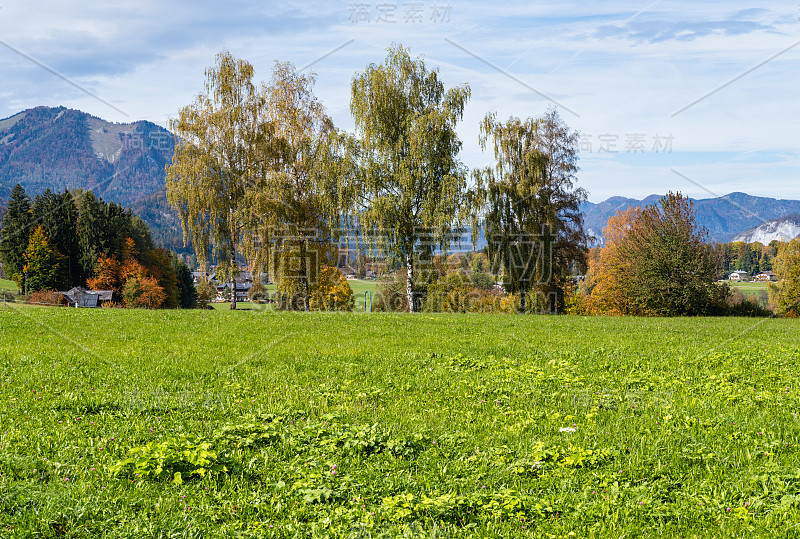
359, 286
125, 423
7, 284
749, 289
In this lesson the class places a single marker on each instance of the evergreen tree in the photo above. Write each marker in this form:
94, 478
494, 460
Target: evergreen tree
92, 232
187, 293
58, 215
16, 232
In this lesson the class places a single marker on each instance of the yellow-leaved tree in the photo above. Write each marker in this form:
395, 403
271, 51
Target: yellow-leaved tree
784, 295
331, 292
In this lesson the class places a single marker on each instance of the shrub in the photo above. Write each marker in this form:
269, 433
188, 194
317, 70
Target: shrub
48, 297
257, 294
390, 295
482, 280
331, 292
205, 294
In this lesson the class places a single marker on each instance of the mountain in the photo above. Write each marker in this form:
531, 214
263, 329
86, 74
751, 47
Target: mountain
783, 229
163, 220
60, 148
724, 217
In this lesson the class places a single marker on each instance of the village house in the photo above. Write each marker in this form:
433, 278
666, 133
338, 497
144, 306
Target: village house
738, 276
765, 276
81, 297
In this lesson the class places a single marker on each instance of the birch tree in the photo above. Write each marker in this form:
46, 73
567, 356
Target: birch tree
411, 185
222, 150
530, 205
296, 210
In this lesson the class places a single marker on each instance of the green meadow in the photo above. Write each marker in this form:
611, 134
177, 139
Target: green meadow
131, 423
359, 287
8, 284
748, 288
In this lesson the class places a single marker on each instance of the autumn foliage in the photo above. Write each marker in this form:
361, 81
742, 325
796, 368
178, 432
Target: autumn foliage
785, 294
331, 292
655, 262
609, 269
129, 279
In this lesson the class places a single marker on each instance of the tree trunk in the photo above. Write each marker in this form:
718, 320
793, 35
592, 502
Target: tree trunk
412, 307
522, 301
304, 288
233, 275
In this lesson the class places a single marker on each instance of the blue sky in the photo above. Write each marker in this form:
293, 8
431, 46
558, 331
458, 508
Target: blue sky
622, 73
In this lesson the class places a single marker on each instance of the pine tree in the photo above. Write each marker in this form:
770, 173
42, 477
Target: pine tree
58, 214
187, 293
92, 231
16, 232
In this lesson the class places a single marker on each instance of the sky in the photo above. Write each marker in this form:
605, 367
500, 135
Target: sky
697, 97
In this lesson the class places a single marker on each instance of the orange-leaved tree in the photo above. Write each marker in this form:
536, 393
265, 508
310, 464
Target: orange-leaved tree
143, 291
609, 269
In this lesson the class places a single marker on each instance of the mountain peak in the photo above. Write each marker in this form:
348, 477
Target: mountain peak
60, 148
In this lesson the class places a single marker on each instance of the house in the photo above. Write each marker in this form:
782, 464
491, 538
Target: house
738, 276
765, 276
242, 290
80, 297
198, 276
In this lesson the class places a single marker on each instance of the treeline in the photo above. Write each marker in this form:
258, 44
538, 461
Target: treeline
752, 258
395, 187
298, 186
58, 241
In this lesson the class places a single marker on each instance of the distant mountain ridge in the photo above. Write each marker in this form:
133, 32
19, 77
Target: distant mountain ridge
724, 217
59, 148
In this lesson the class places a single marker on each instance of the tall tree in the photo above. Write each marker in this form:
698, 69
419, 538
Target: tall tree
609, 275
187, 293
16, 232
296, 206
412, 184
93, 233
58, 215
785, 294
44, 266
219, 160
673, 271
530, 205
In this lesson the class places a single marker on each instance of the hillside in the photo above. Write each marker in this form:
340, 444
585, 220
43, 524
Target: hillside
164, 223
783, 229
60, 148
